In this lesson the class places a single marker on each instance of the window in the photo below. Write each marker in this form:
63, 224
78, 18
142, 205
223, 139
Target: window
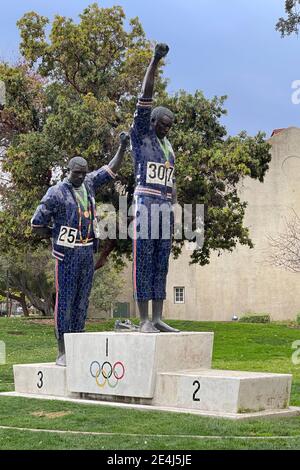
179, 296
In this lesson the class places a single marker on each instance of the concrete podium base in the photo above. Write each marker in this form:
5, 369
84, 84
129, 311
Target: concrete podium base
127, 364
290, 412
165, 371
223, 390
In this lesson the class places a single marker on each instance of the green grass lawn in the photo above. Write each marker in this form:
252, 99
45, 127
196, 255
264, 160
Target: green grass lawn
237, 346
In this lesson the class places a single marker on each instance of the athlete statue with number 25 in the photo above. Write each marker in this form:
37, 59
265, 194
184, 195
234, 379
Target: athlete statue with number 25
67, 215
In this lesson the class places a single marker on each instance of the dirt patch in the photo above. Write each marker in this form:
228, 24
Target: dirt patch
16, 333
53, 415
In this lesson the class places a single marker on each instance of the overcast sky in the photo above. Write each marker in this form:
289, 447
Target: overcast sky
218, 46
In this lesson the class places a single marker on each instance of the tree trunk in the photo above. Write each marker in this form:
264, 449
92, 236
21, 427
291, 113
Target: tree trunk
24, 305
109, 246
41, 301
21, 299
44, 306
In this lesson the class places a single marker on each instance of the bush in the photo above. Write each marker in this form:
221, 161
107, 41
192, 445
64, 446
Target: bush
298, 319
255, 318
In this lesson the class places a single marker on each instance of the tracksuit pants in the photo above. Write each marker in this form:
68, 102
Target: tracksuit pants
73, 281
152, 242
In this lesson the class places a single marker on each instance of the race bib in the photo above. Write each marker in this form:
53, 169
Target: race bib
157, 173
67, 236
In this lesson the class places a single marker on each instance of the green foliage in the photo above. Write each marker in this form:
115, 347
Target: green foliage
298, 319
94, 56
31, 273
25, 100
107, 286
255, 318
290, 24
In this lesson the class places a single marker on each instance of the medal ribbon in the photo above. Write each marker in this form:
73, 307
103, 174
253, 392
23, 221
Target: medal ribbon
165, 146
87, 213
83, 201
80, 223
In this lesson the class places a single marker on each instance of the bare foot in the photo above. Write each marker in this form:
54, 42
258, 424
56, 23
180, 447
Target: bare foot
162, 326
61, 360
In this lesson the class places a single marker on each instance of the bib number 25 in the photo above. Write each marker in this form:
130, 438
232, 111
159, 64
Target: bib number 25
67, 236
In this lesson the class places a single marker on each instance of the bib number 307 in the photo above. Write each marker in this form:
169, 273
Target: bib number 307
157, 173
67, 236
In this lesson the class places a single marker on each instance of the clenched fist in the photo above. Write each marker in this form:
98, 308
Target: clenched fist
161, 50
124, 139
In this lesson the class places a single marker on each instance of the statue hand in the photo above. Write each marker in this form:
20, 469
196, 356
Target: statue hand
161, 50
124, 139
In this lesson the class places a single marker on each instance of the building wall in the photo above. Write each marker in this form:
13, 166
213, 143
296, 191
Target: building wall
242, 281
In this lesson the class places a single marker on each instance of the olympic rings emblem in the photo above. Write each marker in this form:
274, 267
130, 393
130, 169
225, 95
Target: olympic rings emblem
110, 374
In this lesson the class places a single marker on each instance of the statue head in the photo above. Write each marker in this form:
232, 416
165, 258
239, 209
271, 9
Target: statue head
78, 169
162, 120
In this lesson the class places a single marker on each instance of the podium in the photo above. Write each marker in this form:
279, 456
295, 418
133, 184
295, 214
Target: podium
162, 371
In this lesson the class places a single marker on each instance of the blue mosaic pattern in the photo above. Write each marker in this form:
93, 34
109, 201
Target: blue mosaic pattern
75, 266
151, 257
146, 148
74, 277
59, 207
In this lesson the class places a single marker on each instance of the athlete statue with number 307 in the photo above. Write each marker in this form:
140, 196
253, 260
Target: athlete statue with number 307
155, 189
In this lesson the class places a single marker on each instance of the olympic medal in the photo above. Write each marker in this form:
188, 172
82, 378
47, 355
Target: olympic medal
167, 164
86, 214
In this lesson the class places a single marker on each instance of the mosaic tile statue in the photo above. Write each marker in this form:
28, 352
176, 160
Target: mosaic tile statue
67, 215
155, 187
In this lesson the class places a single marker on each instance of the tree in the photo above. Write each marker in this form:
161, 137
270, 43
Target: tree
107, 286
285, 248
30, 275
289, 25
73, 95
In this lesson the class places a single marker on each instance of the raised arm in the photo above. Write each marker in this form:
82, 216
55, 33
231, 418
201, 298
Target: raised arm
161, 50
116, 162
